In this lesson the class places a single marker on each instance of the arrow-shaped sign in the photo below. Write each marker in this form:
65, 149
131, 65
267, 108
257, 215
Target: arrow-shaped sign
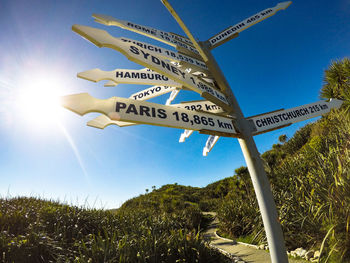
234, 30
165, 37
128, 76
279, 119
121, 109
148, 59
185, 135
183, 59
210, 144
200, 105
172, 96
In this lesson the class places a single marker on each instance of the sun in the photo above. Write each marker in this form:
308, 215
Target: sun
37, 100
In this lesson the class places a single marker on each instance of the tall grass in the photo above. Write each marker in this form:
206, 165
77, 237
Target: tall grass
310, 178
34, 230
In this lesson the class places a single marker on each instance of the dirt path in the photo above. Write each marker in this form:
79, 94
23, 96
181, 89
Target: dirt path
248, 253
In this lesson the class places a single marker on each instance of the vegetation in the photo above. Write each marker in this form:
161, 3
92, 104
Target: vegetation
310, 178
34, 230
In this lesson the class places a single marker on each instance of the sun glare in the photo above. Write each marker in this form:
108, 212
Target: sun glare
38, 99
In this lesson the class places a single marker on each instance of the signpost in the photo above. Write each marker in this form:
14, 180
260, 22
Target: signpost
219, 115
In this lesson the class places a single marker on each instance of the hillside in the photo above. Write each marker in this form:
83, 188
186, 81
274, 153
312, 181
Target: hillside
35, 230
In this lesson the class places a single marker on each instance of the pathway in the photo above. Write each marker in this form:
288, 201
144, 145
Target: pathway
248, 253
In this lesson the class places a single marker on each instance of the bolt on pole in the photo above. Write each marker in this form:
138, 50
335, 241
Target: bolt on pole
255, 165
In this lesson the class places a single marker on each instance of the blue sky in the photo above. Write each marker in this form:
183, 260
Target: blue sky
275, 64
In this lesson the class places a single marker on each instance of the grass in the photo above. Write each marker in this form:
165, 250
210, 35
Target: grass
36, 230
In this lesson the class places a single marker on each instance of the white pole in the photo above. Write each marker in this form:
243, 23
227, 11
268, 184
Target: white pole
255, 166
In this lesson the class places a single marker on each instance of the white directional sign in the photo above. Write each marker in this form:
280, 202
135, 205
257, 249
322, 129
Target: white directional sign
183, 59
121, 109
128, 76
233, 31
165, 37
279, 119
185, 135
201, 105
172, 96
210, 144
148, 59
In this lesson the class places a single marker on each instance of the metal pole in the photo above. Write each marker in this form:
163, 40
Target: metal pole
255, 165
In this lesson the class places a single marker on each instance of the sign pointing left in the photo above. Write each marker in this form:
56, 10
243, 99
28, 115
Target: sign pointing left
150, 60
128, 76
143, 112
165, 37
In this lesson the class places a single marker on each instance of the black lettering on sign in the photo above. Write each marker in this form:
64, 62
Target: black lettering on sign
162, 113
323, 107
132, 109
119, 106
144, 110
134, 50
145, 55
144, 29
135, 75
264, 13
166, 65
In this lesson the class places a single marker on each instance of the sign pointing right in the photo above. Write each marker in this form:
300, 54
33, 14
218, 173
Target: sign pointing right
233, 31
279, 119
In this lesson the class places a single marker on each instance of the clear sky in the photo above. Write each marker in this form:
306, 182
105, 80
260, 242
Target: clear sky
277, 63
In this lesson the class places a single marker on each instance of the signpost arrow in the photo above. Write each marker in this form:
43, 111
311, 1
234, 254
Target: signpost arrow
279, 119
234, 30
148, 59
201, 106
210, 144
165, 37
121, 109
185, 135
183, 59
128, 76
172, 96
